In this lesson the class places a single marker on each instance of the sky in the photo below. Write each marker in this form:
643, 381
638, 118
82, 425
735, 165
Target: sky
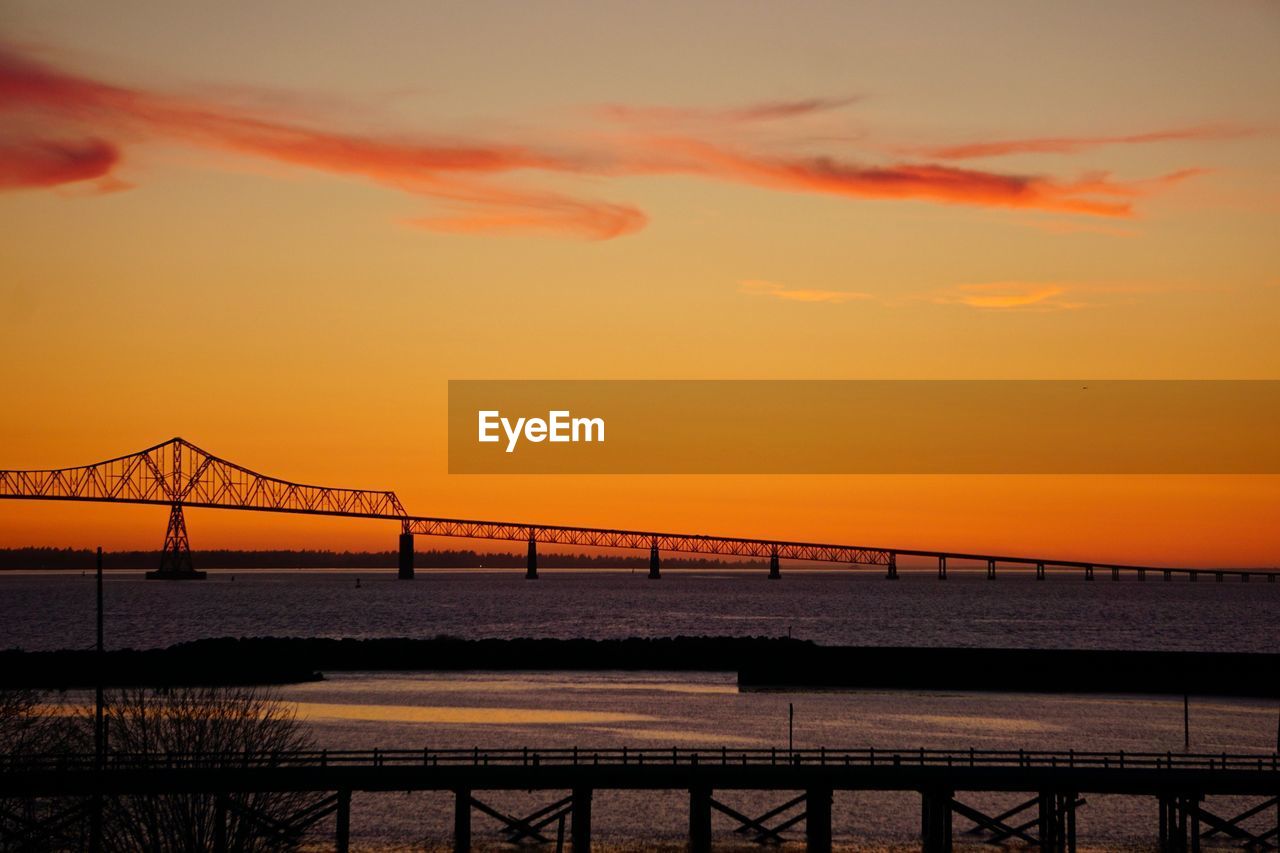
278, 230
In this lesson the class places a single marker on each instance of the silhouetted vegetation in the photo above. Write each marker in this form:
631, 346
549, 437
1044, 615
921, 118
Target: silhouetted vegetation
220, 724
83, 559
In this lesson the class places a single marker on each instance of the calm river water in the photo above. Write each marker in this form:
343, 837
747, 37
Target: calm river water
613, 709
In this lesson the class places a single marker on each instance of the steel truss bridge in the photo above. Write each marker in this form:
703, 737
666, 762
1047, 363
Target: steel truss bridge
178, 474
62, 798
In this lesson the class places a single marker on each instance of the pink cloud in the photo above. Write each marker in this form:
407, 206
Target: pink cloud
472, 183
45, 163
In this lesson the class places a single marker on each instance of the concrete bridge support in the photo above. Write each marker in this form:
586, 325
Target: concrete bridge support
1088, 573
406, 557
775, 573
1039, 571
655, 563
531, 567
991, 570
942, 568
892, 573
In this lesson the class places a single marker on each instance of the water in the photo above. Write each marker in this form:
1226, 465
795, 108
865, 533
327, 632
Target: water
55, 610
705, 710
702, 710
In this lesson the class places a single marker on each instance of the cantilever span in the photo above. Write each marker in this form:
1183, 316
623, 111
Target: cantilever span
178, 474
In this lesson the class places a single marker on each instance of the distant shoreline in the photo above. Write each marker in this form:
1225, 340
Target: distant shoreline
84, 559
761, 663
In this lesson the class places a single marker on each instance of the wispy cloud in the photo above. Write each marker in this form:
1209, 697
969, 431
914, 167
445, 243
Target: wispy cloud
484, 186
449, 172
1008, 295
764, 111
758, 287
27, 163
1094, 194
1075, 144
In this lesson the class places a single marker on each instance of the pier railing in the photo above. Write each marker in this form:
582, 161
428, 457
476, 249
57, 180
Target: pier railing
627, 757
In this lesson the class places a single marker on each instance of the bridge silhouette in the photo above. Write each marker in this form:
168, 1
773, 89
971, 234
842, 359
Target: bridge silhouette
178, 474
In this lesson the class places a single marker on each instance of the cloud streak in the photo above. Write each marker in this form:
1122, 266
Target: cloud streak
480, 187
1009, 295
758, 287
450, 173
45, 163
764, 111
1076, 144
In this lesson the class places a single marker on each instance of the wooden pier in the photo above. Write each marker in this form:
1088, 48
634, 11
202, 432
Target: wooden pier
1052, 784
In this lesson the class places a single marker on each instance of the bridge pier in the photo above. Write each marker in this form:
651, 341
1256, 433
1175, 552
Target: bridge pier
1039, 571
935, 821
1142, 574
775, 573
406, 557
655, 564
942, 568
817, 820
175, 558
1217, 576
1115, 573
1088, 573
892, 574
1195, 576
700, 820
580, 841
991, 570
531, 567
1168, 575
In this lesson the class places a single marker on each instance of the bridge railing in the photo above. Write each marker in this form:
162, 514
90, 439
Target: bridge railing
647, 757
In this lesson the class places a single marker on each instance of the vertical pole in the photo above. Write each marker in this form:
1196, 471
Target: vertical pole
581, 838
655, 569
531, 566
342, 829
791, 728
99, 727
99, 742
817, 820
462, 820
700, 820
406, 556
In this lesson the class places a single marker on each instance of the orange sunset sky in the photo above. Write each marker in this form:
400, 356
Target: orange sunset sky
278, 230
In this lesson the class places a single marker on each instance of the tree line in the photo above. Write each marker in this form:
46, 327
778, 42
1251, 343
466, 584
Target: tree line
83, 559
